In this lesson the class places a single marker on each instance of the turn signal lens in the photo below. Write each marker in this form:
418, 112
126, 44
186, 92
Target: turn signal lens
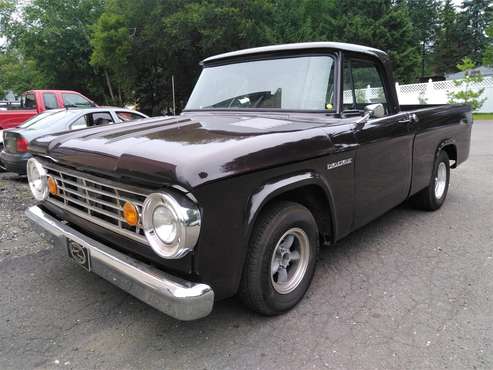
130, 214
52, 186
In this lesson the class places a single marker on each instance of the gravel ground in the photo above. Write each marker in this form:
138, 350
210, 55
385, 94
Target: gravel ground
412, 290
16, 236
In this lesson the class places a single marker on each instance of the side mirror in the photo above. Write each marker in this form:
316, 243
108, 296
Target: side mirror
375, 111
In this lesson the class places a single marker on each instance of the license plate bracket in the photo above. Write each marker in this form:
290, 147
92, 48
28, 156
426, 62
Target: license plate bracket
79, 254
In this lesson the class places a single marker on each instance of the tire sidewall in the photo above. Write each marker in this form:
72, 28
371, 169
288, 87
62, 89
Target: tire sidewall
294, 217
437, 202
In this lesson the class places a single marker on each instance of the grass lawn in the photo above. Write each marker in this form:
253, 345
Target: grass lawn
483, 116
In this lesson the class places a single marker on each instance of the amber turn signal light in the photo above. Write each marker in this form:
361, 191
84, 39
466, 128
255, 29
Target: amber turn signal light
130, 214
52, 186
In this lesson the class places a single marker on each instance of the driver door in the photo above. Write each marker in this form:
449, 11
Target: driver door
384, 156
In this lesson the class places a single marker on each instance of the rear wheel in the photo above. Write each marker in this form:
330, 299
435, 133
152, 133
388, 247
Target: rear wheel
432, 197
281, 259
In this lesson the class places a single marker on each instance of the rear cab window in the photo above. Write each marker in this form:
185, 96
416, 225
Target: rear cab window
28, 101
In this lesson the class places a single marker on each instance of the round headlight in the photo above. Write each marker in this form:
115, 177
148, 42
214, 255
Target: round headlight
165, 224
171, 227
37, 178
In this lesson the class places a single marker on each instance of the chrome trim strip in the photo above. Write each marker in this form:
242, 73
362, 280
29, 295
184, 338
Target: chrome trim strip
178, 298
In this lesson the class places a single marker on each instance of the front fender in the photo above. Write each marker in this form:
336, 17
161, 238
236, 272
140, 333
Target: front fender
275, 187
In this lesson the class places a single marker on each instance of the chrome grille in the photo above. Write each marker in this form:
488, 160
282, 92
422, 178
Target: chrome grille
97, 202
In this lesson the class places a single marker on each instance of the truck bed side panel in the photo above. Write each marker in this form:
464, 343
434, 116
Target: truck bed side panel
13, 118
438, 124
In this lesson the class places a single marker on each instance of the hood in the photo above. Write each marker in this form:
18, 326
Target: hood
187, 150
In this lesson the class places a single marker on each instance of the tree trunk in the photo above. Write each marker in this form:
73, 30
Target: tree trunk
110, 89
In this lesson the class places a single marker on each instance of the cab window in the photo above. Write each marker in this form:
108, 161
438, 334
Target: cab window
28, 101
92, 119
128, 116
101, 118
80, 123
363, 85
71, 100
49, 100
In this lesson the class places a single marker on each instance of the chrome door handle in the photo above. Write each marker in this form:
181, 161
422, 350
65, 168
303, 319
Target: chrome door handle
411, 118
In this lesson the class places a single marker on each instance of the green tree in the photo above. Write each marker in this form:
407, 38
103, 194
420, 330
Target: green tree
55, 34
202, 29
18, 74
477, 14
7, 8
111, 45
142, 44
452, 43
383, 25
127, 51
467, 95
424, 17
488, 51
303, 20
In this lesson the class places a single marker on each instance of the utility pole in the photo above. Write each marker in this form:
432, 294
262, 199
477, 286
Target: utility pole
423, 54
173, 90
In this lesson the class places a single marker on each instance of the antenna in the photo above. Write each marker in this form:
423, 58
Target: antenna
173, 90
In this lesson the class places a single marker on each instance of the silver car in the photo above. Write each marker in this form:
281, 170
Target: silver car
14, 156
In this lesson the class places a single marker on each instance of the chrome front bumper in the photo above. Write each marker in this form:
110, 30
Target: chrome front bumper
178, 298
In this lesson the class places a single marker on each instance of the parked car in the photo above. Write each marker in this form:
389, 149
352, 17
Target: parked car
15, 154
34, 102
280, 149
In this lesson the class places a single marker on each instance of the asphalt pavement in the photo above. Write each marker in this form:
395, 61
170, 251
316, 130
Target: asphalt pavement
412, 290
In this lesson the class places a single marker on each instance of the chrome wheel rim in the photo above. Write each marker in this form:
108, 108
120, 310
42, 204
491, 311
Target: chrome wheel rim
289, 260
440, 180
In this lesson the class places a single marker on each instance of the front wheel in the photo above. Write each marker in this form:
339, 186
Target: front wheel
432, 197
281, 259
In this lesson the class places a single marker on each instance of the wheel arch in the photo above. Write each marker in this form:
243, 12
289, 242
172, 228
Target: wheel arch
308, 189
450, 147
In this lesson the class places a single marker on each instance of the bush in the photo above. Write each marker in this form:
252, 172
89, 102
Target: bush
467, 95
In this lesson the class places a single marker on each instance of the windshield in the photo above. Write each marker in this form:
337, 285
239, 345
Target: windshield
54, 119
298, 83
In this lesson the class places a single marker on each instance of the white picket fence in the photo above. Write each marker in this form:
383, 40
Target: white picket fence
437, 93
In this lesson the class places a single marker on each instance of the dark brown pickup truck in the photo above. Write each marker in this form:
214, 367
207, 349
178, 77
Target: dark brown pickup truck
280, 150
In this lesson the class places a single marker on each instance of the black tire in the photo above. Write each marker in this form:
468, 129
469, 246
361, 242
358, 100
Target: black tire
2, 168
426, 199
257, 289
